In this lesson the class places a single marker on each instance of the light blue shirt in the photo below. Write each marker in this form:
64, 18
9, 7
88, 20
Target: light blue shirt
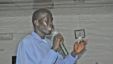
34, 50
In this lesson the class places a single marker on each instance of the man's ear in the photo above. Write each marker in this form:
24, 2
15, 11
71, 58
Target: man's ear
36, 22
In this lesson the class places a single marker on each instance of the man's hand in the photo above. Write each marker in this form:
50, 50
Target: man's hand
57, 41
79, 47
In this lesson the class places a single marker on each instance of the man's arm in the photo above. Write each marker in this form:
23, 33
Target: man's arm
78, 50
69, 59
26, 55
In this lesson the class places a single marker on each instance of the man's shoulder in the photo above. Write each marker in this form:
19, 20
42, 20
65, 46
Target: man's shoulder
27, 37
26, 40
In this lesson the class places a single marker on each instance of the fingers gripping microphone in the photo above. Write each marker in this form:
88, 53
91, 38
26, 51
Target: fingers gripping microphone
62, 46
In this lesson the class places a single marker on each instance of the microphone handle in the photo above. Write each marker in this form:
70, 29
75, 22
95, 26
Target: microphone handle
64, 50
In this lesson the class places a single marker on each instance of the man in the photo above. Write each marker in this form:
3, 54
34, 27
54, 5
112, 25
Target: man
34, 49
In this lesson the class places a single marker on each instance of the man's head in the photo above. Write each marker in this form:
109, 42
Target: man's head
42, 20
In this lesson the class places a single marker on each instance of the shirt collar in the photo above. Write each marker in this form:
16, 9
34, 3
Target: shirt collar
35, 35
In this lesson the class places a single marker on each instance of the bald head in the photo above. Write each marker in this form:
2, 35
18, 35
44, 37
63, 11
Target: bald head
40, 14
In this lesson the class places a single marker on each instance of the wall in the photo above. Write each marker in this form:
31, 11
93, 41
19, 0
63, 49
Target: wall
97, 22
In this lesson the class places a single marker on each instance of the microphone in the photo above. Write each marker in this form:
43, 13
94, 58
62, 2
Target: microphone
63, 49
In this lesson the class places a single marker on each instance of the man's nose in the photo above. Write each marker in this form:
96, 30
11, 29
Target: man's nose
49, 28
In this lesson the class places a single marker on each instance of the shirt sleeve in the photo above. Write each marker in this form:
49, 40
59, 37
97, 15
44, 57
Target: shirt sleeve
26, 55
69, 60
50, 58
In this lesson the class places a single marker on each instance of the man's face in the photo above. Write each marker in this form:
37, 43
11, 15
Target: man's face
45, 24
